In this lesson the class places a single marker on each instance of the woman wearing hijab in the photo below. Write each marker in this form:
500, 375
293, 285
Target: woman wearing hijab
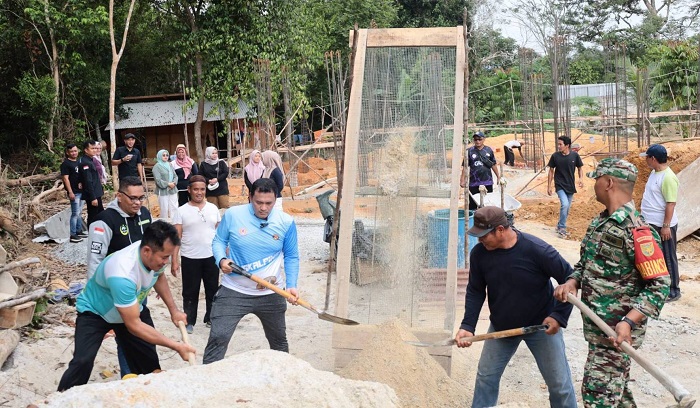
184, 167
216, 173
274, 171
166, 185
254, 169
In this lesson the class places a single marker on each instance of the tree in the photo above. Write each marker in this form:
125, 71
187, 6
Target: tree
676, 74
116, 56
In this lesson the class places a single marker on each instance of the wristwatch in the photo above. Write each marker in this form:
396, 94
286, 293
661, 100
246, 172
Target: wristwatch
664, 225
629, 321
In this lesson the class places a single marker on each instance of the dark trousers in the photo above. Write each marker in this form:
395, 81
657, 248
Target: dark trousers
183, 197
473, 205
90, 330
668, 247
194, 272
93, 210
231, 306
510, 156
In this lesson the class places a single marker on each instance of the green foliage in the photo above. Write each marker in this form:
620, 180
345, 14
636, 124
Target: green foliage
676, 74
431, 13
587, 67
585, 106
491, 97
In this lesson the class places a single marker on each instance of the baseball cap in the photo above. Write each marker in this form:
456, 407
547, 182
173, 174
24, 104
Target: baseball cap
657, 151
479, 135
129, 136
617, 168
486, 219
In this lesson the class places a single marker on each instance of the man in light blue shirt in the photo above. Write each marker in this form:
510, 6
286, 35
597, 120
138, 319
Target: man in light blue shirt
112, 300
260, 239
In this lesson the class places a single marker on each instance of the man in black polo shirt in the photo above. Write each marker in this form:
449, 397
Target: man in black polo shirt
562, 166
90, 181
127, 158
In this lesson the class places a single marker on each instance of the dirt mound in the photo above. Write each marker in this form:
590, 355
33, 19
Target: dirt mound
262, 378
585, 207
419, 381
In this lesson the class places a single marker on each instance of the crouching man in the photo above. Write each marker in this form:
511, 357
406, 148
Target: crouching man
112, 300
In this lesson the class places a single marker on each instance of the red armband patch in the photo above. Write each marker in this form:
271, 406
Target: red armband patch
648, 257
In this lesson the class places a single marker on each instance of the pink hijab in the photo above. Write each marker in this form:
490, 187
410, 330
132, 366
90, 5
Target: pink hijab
253, 170
186, 163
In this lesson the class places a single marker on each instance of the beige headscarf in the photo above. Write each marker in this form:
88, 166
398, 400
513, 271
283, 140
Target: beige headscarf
271, 160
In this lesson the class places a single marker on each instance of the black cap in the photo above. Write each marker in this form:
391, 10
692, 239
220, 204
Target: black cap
129, 136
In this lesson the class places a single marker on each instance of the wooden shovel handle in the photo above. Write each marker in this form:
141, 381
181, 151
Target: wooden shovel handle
240, 271
186, 340
682, 396
281, 292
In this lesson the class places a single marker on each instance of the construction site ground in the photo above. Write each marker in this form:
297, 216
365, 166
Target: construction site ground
33, 370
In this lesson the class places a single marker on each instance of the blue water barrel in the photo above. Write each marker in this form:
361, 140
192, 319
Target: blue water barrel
438, 231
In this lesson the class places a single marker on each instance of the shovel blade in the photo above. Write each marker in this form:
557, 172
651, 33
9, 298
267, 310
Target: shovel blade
335, 319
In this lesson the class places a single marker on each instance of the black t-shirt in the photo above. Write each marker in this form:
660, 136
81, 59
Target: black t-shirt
480, 163
71, 169
564, 167
517, 283
127, 168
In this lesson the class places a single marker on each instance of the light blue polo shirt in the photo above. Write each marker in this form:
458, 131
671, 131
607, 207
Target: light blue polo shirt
121, 280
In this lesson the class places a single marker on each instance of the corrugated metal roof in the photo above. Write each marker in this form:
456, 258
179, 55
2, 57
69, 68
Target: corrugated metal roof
162, 113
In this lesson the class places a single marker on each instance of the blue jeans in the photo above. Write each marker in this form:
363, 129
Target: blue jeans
565, 199
76, 221
550, 355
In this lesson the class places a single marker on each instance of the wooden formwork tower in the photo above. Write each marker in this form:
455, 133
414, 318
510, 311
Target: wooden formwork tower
405, 116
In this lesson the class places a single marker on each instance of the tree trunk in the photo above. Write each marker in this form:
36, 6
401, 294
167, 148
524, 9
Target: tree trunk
200, 107
9, 339
112, 121
56, 77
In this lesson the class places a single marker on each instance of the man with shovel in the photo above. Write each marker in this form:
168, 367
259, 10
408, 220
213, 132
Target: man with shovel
514, 269
259, 239
612, 287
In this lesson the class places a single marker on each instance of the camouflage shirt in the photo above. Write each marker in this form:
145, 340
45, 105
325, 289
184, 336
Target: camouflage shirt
610, 284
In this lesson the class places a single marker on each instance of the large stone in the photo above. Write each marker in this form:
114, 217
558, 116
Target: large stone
260, 379
56, 227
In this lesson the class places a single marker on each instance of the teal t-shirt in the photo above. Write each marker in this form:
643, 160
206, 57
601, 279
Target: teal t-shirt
121, 280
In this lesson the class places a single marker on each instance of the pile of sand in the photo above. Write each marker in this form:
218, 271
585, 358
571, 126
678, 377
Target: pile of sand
419, 381
261, 378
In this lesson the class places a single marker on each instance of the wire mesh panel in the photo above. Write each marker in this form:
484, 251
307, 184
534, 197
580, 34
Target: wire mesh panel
401, 198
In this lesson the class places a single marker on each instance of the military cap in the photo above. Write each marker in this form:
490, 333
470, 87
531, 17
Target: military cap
617, 168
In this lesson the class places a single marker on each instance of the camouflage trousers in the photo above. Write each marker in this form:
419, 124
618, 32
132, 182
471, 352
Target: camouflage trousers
605, 378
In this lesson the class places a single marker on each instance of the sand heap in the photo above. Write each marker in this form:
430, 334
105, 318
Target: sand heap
417, 378
261, 378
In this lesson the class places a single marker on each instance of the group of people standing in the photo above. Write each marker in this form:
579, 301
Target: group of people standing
128, 253
611, 285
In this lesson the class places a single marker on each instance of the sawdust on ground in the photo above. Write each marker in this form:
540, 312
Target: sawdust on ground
415, 376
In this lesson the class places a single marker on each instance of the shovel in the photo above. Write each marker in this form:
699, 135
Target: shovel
301, 302
481, 337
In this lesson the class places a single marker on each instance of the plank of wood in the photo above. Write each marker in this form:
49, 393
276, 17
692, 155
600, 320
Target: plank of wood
410, 37
347, 204
9, 339
453, 231
17, 316
19, 264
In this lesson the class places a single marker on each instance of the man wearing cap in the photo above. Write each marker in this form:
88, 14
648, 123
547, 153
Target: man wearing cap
481, 162
612, 287
127, 158
659, 209
562, 165
513, 269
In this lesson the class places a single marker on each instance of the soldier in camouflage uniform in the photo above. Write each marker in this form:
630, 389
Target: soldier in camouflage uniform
613, 288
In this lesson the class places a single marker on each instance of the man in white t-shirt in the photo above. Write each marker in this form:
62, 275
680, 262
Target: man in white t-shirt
196, 223
112, 300
659, 209
508, 151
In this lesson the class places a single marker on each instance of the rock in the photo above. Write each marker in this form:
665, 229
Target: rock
261, 378
57, 227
